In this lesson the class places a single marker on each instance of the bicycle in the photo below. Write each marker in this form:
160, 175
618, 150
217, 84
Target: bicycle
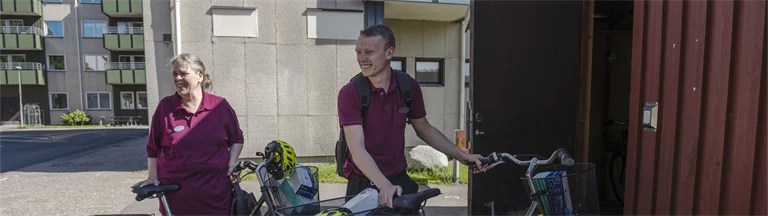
277, 203
568, 190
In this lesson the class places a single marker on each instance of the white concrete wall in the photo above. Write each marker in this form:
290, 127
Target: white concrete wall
71, 80
282, 84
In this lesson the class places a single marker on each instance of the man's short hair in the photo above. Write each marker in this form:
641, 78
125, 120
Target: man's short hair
380, 30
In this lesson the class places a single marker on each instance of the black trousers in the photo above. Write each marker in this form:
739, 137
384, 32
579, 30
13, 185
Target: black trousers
357, 183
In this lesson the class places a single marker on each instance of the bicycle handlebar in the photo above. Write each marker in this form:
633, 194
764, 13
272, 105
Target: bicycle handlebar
493, 158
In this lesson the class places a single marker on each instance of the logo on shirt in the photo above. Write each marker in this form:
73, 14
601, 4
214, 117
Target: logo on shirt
179, 128
403, 110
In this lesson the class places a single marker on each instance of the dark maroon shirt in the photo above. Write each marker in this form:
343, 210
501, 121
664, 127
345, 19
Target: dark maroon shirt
384, 128
192, 149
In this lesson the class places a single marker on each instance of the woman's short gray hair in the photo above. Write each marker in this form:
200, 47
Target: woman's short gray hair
195, 64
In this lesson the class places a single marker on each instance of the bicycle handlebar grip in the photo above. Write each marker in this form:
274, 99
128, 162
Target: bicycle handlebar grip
565, 158
483, 160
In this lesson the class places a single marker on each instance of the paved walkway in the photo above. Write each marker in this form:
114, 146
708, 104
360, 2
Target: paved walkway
96, 183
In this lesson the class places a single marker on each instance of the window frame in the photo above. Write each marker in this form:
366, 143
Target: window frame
137, 100
52, 1
50, 101
403, 64
87, 107
133, 97
440, 71
82, 27
48, 62
92, 2
97, 69
63, 34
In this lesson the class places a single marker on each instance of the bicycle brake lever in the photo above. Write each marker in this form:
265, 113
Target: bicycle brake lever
492, 165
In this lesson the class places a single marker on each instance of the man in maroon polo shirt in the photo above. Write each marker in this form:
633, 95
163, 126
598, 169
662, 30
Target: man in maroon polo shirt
377, 149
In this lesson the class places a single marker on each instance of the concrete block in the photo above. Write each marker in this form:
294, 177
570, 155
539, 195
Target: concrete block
453, 40
217, 39
434, 39
157, 20
267, 20
229, 76
321, 71
197, 22
261, 78
261, 130
242, 121
452, 86
293, 129
324, 4
451, 123
434, 100
411, 33
232, 3
323, 133
292, 79
411, 139
347, 66
350, 4
95, 81
291, 22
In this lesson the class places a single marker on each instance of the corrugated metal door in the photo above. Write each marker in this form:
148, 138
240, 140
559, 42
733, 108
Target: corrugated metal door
704, 63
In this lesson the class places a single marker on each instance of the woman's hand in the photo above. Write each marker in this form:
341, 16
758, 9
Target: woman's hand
475, 159
231, 171
149, 181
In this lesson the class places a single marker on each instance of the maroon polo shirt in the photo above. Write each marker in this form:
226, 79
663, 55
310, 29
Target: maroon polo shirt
384, 128
192, 149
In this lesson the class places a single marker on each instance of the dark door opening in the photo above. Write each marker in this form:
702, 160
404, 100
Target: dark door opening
9, 108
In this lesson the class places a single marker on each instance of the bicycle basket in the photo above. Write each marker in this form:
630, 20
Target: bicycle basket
296, 194
333, 204
566, 190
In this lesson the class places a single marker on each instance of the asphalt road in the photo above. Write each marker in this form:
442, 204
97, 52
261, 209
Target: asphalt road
23, 148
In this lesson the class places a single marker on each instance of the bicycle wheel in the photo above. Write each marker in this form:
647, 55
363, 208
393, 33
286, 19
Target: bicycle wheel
617, 162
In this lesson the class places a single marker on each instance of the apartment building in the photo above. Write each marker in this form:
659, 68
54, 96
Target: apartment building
280, 64
74, 54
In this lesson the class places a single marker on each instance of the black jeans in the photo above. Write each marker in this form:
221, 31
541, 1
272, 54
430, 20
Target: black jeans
357, 183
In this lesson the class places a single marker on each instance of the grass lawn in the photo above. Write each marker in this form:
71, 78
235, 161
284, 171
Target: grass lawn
442, 176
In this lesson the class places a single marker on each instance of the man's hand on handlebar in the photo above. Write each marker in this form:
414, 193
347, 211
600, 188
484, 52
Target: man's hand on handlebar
474, 159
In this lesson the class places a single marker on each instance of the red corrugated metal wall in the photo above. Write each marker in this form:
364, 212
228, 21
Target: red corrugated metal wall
704, 62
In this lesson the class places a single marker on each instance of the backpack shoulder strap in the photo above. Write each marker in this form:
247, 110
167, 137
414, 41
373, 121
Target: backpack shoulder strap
404, 87
363, 92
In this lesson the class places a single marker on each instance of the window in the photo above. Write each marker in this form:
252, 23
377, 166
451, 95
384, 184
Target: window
54, 28
94, 29
91, 1
98, 100
127, 101
52, 1
59, 101
235, 22
330, 24
11, 22
398, 63
429, 71
95, 62
56, 63
130, 28
12, 58
141, 100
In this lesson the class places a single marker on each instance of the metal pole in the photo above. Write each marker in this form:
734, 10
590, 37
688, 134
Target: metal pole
21, 106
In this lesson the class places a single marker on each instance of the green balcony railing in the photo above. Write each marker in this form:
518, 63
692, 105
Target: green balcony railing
126, 73
31, 73
122, 8
21, 38
124, 39
21, 7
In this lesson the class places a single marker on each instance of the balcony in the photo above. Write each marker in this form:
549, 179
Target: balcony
124, 39
21, 38
121, 73
122, 8
31, 73
21, 8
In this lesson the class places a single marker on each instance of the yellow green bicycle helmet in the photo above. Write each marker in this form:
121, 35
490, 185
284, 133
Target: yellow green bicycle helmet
334, 212
284, 159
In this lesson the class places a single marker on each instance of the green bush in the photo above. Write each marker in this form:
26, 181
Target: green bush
75, 118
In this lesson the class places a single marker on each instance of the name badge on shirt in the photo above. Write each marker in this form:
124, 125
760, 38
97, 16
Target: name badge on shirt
403, 110
178, 128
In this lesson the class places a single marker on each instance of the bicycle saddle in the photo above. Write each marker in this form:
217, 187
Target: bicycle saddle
412, 202
150, 190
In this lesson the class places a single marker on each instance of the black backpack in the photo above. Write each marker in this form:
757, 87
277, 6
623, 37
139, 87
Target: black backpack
364, 94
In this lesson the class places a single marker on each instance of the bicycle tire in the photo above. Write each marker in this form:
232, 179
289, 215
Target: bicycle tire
611, 177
